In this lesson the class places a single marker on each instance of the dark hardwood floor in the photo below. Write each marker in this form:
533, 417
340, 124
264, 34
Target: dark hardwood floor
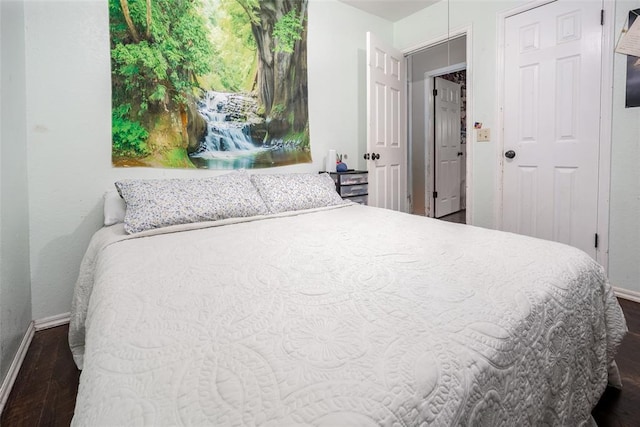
45, 391
622, 407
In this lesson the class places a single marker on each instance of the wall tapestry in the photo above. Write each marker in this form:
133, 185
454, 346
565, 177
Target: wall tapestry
215, 84
632, 98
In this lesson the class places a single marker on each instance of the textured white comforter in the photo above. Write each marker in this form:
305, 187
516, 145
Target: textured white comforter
345, 316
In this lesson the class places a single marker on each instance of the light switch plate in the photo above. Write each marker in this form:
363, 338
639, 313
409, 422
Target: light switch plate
484, 135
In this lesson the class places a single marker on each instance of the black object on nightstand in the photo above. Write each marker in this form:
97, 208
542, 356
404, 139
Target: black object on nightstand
352, 185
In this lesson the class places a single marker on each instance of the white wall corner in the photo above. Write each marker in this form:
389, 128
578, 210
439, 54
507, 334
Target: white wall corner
12, 374
51, 321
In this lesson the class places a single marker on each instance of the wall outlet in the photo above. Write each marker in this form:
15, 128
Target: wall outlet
484, 135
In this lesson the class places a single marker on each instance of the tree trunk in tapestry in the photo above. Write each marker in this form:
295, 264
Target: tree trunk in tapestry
209, 83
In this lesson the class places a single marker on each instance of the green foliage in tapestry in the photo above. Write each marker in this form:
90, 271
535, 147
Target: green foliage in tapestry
234, 60
287, 31
129, 137
158, 47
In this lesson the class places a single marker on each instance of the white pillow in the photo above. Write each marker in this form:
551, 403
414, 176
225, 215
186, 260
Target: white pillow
157, 203
114, 208
296, 191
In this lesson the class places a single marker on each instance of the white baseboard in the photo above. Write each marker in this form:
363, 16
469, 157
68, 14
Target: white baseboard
12, 374
52, 321
627, 294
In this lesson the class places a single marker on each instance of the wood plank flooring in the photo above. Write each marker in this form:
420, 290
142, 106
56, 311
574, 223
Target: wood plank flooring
622, 407
45, 391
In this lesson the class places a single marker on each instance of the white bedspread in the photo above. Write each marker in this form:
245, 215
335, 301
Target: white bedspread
346, 316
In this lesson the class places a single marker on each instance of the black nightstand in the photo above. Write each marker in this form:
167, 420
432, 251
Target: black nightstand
352, 185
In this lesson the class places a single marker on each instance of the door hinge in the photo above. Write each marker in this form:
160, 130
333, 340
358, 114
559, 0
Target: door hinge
601, 16
435, 194
596, 241
435, 92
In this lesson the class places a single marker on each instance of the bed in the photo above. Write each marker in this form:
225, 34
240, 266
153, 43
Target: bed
326, 313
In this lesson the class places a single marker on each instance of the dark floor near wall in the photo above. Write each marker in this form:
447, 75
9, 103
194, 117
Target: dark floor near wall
460, 217
45, 392
622, 407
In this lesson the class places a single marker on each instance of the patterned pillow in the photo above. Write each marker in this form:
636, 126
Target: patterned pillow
156, 203
292, 192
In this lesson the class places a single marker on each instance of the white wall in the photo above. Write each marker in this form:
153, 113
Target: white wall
337, 78
431, 23
624, 238
69, 124
15, 291
624, 229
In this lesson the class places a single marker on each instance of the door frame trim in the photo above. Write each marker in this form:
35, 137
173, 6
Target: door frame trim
606, 128
466, 30
606, 105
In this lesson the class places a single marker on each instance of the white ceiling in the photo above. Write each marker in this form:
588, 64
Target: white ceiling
392, 10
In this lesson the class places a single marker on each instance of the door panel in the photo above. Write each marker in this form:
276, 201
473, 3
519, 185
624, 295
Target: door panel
528, 202
395, 182
552, 122
564, 191
377, 192
387, 126
447, 141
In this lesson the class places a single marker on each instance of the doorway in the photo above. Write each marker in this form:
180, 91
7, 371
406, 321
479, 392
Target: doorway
449, 143
447, 61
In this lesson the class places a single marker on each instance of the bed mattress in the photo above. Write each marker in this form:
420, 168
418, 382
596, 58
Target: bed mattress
350, 315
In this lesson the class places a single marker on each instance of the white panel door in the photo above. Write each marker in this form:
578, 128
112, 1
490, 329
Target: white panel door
552, 122
447, 147
386, 126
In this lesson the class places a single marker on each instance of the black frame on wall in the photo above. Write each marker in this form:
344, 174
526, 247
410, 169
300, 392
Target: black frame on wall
632, 98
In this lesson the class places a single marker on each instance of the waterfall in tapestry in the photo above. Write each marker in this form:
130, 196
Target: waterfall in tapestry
215, 84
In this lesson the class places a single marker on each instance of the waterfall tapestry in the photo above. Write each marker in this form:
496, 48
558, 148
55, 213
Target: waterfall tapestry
209, 83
